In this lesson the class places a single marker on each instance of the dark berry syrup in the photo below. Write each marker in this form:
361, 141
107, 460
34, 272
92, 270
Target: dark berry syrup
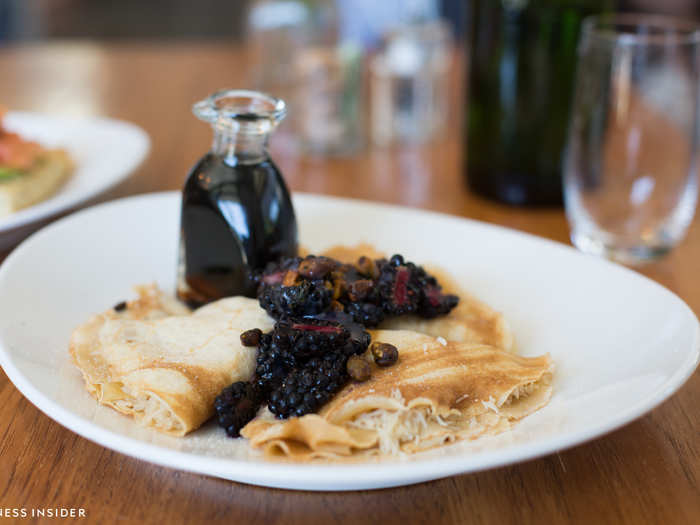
237, 214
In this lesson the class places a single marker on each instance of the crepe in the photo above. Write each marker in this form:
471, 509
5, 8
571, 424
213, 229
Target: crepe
438, 392
470, 321
37, 184
162, 365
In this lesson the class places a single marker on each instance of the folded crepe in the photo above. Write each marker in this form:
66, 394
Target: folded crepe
470, 321
438, 392
162, 365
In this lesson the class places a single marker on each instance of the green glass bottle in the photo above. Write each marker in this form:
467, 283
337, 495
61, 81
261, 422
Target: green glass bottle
521, 75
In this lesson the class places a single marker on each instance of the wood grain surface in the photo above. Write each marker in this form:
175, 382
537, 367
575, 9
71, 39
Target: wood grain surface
646, 472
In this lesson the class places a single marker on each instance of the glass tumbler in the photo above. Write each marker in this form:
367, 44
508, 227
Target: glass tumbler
630, 171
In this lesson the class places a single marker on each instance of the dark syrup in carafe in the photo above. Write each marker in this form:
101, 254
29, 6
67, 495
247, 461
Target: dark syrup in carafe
235, 219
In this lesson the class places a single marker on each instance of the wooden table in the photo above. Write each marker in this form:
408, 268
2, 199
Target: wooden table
647, 471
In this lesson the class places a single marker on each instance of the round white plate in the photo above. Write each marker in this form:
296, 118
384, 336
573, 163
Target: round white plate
105, 152
621, 343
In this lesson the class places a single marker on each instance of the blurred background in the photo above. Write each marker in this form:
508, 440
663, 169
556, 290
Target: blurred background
361, 74
173, 19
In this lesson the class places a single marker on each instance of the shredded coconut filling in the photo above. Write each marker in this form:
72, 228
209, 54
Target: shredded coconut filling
403, 425
148, 407
400, 426
521, 391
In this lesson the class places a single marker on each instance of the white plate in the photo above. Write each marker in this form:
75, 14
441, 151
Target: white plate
105, 152
621, 343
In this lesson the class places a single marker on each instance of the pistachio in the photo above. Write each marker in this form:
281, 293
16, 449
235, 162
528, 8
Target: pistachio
316, 267
337, 306
290, 278
358, 290
384, 354
358, 368
367, 267
251, 337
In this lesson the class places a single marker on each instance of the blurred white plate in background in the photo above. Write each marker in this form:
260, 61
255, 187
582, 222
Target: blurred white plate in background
105, 152
621, 343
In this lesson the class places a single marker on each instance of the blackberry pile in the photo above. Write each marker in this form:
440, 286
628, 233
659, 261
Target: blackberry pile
369, 291
306, 389
235, 406
300, 364
322, 307
292, 343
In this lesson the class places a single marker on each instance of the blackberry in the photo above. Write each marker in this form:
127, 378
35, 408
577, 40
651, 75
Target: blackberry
359, 337
433, 303
274, 360
308, 388
309, 337
360, 344
368, 314
303, 299
236, 405
396, 260
405, 288
398, 287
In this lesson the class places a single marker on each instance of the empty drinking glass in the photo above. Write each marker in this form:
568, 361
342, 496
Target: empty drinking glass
630, 175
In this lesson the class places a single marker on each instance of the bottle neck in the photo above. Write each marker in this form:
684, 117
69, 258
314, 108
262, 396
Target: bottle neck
236, 147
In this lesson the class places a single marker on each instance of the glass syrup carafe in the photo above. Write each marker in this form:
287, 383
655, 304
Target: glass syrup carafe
237, 214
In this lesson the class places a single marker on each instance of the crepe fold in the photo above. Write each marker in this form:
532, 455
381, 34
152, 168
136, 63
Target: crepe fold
435, 394
162, 365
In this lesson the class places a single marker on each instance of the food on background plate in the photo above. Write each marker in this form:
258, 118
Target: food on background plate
437, 393
152, 359
29, 172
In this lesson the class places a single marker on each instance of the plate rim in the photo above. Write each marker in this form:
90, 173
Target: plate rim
46, 209
365, 476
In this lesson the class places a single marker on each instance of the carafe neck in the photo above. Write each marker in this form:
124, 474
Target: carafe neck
239, 147
242, 121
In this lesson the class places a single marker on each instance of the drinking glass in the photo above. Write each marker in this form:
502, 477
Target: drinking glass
409, 84
630, 172
328, 99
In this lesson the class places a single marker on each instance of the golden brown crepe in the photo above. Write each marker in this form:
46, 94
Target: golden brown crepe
437, 393
470, 321
161, 364
350, 254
